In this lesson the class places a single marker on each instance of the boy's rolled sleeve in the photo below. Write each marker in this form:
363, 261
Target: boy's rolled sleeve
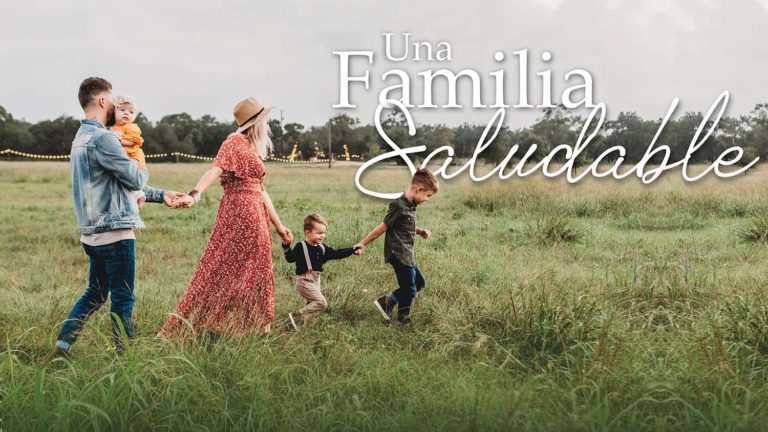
393, 214
110, 155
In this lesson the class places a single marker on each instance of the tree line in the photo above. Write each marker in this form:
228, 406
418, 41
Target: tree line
203, 136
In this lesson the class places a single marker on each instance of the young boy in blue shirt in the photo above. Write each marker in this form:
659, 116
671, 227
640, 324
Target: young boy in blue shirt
309, 256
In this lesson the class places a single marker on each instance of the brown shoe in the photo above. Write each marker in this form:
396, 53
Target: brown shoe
385, 307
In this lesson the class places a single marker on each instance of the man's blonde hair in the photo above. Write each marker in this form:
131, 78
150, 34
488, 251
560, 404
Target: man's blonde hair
312, 219
424, 178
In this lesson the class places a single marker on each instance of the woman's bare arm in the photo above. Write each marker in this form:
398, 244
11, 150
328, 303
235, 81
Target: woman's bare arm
285, 233
208, 177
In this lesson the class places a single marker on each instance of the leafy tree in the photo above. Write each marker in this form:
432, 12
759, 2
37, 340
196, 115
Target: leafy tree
291, 136
212, 134
756, 126
204, 135
178, 133
557, 126
14, 133
629, 131
54, 136
277, 135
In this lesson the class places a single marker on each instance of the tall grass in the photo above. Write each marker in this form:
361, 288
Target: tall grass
599, 306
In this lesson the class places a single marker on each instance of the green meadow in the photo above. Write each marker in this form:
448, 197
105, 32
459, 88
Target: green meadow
598, 306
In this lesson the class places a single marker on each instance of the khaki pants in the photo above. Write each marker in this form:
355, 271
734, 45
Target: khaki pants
309, 288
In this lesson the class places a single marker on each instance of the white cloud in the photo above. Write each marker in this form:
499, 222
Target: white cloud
551, 4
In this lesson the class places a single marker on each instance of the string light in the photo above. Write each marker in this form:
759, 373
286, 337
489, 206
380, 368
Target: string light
290, 159
32, 155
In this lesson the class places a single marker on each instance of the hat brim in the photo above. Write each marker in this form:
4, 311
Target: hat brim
253, 122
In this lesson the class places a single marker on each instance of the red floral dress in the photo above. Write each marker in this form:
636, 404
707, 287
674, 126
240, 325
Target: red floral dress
232, 288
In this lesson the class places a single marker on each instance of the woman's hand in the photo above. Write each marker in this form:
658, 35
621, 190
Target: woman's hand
185, 201
172, 199
285, 234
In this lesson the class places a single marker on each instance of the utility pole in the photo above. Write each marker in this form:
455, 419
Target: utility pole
330, 155
282, 129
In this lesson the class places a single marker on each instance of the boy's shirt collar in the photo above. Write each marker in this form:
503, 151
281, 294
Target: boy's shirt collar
409, 203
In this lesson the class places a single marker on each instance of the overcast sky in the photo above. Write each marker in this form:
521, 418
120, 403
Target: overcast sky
201, 57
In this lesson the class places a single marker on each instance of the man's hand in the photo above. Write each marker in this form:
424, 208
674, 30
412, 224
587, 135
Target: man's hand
424, 233
173, 199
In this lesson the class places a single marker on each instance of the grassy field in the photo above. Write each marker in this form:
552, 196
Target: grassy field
599, 306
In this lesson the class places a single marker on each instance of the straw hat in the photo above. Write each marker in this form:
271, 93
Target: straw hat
247, 112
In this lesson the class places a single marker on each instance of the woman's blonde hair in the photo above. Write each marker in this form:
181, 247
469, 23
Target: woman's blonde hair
259, 135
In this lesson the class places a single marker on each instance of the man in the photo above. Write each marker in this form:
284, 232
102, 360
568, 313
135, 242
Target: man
103, 181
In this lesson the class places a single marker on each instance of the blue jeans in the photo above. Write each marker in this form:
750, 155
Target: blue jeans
113, 269
410, 281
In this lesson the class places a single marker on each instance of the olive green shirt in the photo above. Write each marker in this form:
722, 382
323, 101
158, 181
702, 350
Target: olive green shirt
401, 231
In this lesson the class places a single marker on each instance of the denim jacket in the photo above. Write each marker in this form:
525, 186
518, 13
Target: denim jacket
103, 181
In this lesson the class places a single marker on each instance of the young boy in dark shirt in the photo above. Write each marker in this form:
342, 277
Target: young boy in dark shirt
400, 227
309, 256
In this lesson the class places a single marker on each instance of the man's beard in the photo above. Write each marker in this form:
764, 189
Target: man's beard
110, 118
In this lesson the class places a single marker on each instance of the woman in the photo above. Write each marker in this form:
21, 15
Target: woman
232, 289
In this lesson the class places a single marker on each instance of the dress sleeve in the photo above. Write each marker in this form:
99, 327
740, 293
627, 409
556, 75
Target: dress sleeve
230, 156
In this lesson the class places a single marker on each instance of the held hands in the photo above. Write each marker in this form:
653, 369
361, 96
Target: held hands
178, 200
424, 233
359, 248
285, 234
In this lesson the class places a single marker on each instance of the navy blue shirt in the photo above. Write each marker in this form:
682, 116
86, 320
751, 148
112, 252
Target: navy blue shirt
316, 256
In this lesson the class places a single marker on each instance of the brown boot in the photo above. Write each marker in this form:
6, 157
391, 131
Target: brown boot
385, 306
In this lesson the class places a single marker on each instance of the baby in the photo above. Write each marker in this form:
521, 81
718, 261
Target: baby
130, 135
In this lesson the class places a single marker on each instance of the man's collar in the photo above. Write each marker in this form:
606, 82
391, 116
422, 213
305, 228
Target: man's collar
92, 122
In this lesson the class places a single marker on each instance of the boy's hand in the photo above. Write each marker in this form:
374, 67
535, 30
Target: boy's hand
358, 248
424, 233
